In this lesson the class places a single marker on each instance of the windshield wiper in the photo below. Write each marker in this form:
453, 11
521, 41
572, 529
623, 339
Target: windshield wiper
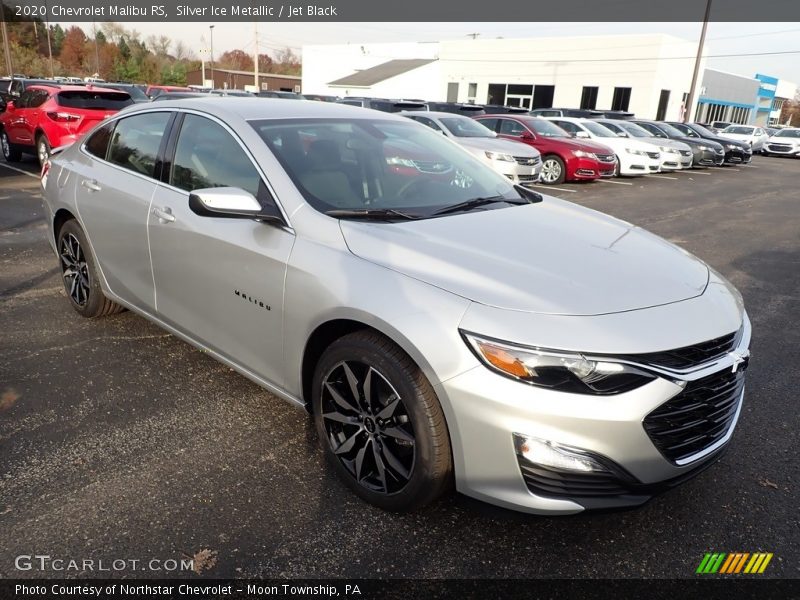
476, 202
370, 213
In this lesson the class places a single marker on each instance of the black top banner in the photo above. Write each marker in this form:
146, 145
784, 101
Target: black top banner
403, 11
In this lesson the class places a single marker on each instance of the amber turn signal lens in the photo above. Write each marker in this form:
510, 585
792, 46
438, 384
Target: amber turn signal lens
503, 360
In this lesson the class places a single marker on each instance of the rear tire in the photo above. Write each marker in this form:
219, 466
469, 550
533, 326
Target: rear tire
380, 423
553, 170
42, 149
10, 152
80, 275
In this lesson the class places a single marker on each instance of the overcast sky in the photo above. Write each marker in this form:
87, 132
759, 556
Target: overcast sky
722, 38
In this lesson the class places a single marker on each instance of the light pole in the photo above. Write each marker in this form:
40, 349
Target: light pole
213, 81
687, 115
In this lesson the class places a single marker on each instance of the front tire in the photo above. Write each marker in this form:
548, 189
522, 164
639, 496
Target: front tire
380, 423
10, 152
80, 275
553, 170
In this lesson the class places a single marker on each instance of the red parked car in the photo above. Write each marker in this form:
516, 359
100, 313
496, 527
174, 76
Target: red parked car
563, 157
156, 90
49, 116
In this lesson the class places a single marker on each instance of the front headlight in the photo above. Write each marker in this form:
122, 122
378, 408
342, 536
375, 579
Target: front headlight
397, 161
556, 370
581, 153
634, 151
704, 148
731, 146
499, 156
668, 150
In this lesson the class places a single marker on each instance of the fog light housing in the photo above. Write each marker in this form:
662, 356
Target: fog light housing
555, 456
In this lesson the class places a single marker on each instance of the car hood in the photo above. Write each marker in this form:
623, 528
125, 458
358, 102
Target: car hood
668, 142
784, 140
497, 145
552, 257
739, 137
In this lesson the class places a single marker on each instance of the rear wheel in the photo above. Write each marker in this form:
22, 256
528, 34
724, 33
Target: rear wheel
380, 423
553, 171
10, 152
79, 272
42, 149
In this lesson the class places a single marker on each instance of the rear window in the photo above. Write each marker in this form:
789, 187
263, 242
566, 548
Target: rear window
93, 100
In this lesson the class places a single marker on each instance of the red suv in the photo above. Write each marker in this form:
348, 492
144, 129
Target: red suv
48, 116
563, 158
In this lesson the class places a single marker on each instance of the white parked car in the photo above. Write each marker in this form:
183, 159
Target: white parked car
633, 156
519, 162
674, 154
749, 134
784, 143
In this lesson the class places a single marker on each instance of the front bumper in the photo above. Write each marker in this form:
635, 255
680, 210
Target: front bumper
781, 149
707, 158
518, 172
491, 409
737, 156
584, 168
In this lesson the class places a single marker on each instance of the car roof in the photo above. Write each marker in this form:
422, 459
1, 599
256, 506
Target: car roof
268, 108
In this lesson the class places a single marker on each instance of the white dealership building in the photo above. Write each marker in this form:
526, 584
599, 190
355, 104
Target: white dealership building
649, 75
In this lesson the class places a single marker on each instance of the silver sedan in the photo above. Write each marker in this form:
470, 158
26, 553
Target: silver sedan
443, 326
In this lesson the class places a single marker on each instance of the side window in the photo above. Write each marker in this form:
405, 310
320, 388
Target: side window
568, 126
429, 122
509, 127
490, 123
207, 156
24, 99
97, 144
136, 140
37, 98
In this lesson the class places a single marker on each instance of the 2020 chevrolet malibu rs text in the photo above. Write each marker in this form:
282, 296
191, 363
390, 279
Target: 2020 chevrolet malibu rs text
443, 326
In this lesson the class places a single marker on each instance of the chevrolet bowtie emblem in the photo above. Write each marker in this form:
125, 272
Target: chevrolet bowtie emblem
739, 358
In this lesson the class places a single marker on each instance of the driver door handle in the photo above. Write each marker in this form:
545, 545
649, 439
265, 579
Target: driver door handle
165, 214
91, 185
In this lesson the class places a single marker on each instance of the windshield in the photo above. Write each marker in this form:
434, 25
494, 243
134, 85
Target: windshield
380, 165
738, 130
635, 130
702, 130
788, 133
685, 130
670, 130
546, 128
598, 130
465, 127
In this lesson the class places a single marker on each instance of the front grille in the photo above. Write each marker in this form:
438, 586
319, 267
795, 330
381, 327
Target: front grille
689, 356
527, 160
544, 481
780, 147
605, 157
686, 152
527, 178
655, 155
698, 417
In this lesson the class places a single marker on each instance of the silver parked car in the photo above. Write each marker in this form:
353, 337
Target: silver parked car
519, 162
442, 325
674, 154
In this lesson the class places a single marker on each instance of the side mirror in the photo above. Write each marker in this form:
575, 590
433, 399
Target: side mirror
231, 203
527, 135
581, 134
10, 106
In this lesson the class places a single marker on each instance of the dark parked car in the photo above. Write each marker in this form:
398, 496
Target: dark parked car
321, 97
17, 86
136, 92
616, 114
735, 152
706, 152
716, 126
582, 113
384, 104
468, 110
281, 94
499, 109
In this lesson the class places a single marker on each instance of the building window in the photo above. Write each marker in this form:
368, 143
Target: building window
663, 103
497, 94
622, 98
589, 97
472, 92
543, 96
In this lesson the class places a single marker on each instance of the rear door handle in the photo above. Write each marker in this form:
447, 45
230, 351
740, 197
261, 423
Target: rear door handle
165, 214
91, 185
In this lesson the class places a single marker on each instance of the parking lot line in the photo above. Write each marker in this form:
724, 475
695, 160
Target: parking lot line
19, 170
663, 177
550, 187
732, 170
616, 182
700, 173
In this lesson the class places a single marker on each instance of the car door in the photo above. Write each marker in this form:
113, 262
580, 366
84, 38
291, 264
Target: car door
115, 186
31, 115
15, 123
219, 280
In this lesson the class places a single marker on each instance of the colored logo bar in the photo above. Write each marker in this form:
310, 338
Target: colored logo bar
734, 563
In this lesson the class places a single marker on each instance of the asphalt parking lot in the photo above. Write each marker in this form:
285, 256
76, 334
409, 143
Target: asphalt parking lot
118, 441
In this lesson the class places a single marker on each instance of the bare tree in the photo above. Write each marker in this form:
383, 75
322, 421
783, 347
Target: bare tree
159, 45
182, 52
